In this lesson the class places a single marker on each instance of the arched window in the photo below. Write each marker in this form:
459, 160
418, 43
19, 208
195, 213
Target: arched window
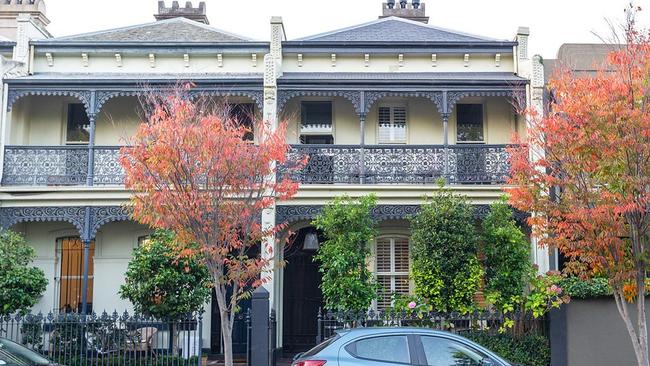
392, 268
69, 274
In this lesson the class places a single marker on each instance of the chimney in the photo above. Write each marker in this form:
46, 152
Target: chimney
10, 10
414, 10
189, 12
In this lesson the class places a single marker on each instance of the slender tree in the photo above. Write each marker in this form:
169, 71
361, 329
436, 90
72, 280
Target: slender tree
194, 172
588, 184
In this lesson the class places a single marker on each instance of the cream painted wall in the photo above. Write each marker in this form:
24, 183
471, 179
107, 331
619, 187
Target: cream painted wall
424, 123
389, 63
139, 63
118, 121
113, 248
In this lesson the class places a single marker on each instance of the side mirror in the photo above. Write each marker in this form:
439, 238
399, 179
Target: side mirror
298, 355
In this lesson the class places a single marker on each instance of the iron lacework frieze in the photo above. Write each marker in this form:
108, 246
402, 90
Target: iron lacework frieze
291, 214
84, 96
284, 96
86, 219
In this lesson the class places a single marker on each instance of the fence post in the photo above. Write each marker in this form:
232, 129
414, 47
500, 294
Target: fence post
260, 328
319, 321
272, 338
200, 345
558, 336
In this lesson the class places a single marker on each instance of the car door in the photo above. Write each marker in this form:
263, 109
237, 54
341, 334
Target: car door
442, 351
379, 350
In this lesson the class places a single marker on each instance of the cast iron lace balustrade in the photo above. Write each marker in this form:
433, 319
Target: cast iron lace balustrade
45, 165
328, 164
60, 166
409, 164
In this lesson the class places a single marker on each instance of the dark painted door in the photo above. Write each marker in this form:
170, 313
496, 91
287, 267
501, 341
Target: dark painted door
302, 298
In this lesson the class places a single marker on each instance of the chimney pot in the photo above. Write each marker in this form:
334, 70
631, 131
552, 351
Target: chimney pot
196, 14
416, 4
391, 4
402, 3
412, 10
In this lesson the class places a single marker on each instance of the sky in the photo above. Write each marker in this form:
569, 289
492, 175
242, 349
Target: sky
551, 22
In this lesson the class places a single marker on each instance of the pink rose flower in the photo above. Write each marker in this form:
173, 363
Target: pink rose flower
412, 305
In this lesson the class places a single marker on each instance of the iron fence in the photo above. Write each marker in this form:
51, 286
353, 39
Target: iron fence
108, 339
463, 324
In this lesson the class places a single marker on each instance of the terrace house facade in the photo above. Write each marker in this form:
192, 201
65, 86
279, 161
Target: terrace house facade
386, 107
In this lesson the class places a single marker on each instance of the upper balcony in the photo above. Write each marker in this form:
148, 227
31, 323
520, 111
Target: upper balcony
403, 140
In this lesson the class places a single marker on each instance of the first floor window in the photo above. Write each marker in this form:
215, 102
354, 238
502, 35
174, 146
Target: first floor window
69, 277
392, 269
392, 125
469, 121
244, 115
78, 127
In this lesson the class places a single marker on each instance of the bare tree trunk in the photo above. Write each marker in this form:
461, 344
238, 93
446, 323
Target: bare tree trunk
640, 349
226, 336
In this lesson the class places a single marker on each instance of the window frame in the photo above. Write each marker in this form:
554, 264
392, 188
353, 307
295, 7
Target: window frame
392, 273
67, 112
392, 107
483, 105
422, 357
414, 357
58, 271
303, 115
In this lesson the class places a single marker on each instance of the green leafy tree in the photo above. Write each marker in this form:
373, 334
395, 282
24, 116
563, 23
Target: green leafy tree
21, 285
445, 269
166, 279
349, 228
507, 257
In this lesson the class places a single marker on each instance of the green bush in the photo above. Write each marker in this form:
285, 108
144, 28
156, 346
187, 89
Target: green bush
21, 285
527, 350
347, 283
445, 269
507, 253
163, 283
586, 289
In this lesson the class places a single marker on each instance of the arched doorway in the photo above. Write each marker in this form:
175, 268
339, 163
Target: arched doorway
301, 295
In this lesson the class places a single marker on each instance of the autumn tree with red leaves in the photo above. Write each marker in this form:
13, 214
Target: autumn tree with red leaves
193, 172
588, 181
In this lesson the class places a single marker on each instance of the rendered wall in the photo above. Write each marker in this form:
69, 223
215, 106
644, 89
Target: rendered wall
591, 333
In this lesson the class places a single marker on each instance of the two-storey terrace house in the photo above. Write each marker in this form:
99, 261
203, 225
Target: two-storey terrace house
386, 107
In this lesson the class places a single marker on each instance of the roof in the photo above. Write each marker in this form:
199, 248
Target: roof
581, 58
394, 29
175, 30
403, 78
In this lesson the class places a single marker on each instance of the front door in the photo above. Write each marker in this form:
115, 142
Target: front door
302, 297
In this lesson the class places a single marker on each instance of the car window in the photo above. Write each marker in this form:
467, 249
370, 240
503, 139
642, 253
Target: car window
385, 349
445, 352
320, 346
14, 354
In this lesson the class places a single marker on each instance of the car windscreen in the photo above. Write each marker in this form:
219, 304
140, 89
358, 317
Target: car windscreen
13, 354
321, 346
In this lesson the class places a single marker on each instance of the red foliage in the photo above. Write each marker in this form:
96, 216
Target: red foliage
192, 172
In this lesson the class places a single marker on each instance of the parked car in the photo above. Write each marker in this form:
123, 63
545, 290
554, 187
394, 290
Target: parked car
397, 346
13, 354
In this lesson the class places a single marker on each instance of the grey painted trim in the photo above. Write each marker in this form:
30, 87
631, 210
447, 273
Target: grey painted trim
14, 94
284, 96
116, 83
86, 219
291, 214
319, 48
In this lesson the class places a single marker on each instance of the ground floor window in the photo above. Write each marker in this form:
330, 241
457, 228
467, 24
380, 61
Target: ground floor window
69, 274
391, 268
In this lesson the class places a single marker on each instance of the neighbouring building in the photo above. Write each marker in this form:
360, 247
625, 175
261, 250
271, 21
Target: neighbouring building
385, 107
